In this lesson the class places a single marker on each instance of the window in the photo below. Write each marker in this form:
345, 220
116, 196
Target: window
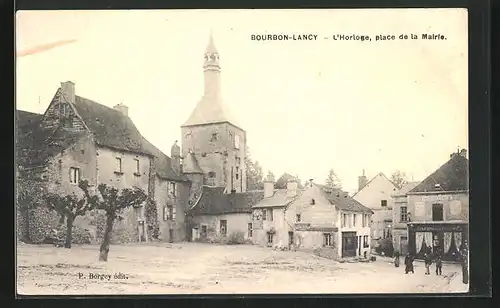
366, 243
313, 202
250, 229
404, 213
270, 237
74, 175
171, 189
211, 174
270, 214
363, 223
437, 212
238, 161
214, 137
298, 218
137, 169
118, 165
223, 227
63, 110
383, 203
264, 214
344, 220
203, 231
236, 141
327, 239
169, 213
237, 174
354, 216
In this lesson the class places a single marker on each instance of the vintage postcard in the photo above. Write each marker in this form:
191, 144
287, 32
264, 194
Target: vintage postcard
242, 151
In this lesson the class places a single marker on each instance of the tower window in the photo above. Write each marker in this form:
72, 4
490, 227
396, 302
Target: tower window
214, 137
236, 141
211, 174
383, 203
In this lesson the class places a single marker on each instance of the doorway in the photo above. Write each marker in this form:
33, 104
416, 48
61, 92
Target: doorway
171, 235
290, 239
349, 243
403, 245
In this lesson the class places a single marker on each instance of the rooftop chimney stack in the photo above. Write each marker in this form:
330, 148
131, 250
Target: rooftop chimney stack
122, 108
68, 90
463, 153
291, 188
268, 186
362, 181
175, 154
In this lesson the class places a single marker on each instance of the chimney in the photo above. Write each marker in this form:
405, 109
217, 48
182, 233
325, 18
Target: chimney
175, 153
291, 188
268, 187
68, 89
362, 180
463, 153
122, 108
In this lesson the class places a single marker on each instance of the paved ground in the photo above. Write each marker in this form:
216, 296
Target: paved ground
204, 268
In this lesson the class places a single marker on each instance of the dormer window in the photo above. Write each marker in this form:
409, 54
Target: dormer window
211, 174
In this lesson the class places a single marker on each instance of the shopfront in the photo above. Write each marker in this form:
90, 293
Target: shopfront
445, 238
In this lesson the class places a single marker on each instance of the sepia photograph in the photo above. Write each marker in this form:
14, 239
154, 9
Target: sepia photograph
179, 152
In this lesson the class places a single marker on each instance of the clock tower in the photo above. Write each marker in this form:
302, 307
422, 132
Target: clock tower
211, 136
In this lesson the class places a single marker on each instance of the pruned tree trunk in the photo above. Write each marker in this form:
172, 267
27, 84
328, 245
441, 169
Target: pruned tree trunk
104, 250
69, 231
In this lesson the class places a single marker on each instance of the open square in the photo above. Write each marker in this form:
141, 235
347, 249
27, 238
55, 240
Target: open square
189, 268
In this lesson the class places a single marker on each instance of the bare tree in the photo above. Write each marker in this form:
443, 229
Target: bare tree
399, 179
70, 206
113, 202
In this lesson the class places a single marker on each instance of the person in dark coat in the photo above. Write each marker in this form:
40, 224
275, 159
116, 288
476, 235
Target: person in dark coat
396, 259
464, 261
427, 262
409, 264
439, 265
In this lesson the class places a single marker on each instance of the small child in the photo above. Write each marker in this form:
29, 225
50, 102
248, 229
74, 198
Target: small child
439, 265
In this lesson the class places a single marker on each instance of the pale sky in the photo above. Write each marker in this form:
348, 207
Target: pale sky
307, 106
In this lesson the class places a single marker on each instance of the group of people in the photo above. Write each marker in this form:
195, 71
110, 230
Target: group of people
428, 260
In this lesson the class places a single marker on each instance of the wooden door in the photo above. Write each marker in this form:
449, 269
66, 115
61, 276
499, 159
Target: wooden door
403, 245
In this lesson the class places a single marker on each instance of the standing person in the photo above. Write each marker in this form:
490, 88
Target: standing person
396, 259
439, 264
464, 260
409, 264
427, 262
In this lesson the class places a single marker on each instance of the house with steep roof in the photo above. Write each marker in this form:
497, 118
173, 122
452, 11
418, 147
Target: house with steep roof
400, 218
439, 210
314, 217
77, 138
376, 195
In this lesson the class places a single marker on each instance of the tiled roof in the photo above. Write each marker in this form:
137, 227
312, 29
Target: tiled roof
34, 145
451, 176
110, 127
210, 109
342, 200
215, 202
279, 198
113, 129
191, 164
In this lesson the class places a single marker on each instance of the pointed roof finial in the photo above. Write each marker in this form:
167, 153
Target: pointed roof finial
211, 46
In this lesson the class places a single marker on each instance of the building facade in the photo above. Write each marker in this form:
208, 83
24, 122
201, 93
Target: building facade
314, 217
439, 208
376, 194
400, 218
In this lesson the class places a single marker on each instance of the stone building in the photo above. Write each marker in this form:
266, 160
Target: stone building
439, 210
400, 217
314, 217
376, 194
77, 138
